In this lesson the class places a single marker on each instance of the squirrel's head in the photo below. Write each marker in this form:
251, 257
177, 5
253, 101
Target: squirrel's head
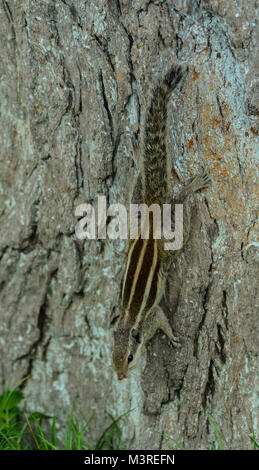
126, 350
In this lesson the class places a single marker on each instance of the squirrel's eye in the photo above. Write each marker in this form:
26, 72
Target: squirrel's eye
130, 358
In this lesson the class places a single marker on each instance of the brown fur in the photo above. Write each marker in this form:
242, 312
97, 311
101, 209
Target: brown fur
148, 262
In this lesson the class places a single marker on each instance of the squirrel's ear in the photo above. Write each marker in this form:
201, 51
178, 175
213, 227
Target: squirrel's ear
136, 335
114, 321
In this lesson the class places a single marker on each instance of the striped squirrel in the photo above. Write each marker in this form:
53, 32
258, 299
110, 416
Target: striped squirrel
148, 263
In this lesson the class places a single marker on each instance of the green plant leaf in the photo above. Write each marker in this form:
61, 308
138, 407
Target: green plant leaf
220, 445
10, 399
38, 415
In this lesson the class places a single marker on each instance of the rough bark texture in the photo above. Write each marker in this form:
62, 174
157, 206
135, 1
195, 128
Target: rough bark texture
74, 77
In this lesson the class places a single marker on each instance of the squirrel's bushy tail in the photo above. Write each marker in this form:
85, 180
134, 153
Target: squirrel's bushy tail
155, 164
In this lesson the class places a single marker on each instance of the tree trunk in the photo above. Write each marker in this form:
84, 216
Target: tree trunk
74, 80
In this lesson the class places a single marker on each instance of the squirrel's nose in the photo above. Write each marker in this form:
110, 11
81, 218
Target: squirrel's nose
121, 376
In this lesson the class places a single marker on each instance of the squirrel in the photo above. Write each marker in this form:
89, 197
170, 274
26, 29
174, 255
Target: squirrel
148, 263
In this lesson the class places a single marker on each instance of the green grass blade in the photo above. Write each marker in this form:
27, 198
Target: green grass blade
169, 438
220, 445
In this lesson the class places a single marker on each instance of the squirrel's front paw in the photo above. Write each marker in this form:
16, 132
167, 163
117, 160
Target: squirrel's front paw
176, 342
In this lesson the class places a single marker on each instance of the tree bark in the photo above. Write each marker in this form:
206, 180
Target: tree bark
74, 80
